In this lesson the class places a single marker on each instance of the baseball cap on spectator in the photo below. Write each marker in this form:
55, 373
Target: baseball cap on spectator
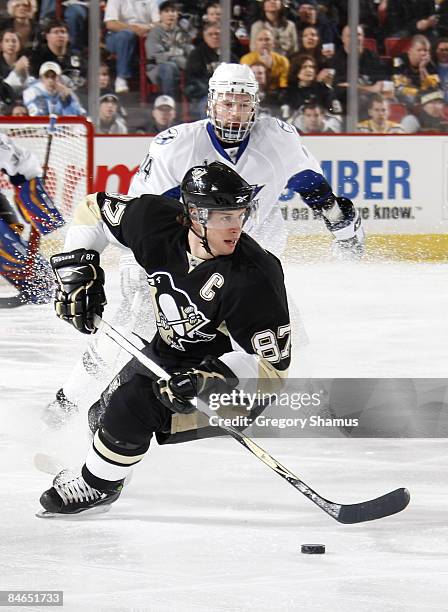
109, 97
164, 101
167, 6
430, 95
312, 2
50, 66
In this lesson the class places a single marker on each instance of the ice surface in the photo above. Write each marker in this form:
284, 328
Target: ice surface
206, 526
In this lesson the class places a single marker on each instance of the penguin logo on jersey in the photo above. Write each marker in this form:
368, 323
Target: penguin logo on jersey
166, 137
178, 319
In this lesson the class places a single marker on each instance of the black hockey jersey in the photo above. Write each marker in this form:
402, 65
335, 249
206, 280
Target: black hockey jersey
233, 307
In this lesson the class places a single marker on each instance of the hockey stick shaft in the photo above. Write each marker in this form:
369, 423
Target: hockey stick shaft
34, 239
388, 504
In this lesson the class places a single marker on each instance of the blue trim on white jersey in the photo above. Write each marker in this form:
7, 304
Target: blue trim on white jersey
174, 193
308, 180
217, 145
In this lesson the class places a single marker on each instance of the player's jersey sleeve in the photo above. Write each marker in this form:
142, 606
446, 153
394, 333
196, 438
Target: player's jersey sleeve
299, 157
164, 166
16, 160
102, 218
257, 322
133, 223
87, 229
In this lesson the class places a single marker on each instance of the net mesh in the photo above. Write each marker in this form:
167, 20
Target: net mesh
68, 178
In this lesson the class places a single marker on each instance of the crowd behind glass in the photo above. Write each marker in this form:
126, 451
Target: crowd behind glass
157, 57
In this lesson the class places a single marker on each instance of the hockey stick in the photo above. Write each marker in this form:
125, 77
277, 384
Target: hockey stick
34, 240
370, 510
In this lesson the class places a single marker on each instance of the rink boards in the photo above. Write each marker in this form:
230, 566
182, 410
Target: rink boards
399, 184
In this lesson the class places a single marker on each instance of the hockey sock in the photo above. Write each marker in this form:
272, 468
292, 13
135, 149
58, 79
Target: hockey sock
109, 461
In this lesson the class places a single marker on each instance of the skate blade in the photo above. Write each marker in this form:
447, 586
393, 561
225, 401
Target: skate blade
70, 517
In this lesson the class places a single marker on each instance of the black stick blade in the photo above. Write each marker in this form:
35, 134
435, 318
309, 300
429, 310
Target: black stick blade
386, 505
13, 301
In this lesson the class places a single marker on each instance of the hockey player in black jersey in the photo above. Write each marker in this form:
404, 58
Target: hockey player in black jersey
221, 311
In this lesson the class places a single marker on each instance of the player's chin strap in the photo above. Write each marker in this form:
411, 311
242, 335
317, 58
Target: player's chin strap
203, 240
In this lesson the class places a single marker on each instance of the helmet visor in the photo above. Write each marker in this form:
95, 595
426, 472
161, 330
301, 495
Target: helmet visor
222, 219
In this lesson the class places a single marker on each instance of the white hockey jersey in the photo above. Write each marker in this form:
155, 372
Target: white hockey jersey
16, 160
271, 155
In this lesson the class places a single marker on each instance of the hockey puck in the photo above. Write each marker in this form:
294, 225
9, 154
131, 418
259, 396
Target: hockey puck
313, 549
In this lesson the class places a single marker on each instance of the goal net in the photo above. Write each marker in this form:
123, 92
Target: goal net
70, 165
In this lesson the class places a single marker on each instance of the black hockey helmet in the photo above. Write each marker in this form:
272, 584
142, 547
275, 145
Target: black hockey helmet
215, 187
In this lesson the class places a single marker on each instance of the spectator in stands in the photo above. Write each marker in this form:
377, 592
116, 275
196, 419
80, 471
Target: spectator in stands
283, 30
368, 18
413, 72
369, 14
277, 65
428, 115
308, 15
76, 13
104, 79
57, 49
372, 72
22, 21
378, 122
167, 47
310, 44
109, 119
441, 63
304, 88
270, 101
212, 13
50, 95
311, 119
163, 116
201, 64
14, 66
238, 34
125, 21
410, 17
19, 110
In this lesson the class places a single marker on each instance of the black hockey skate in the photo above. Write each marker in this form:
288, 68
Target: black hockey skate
71, 495
59, 411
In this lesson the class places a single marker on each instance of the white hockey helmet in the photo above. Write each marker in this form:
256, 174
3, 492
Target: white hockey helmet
227, 84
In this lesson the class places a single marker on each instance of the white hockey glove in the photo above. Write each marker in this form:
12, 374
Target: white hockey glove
80, 292
339, 214
344, 222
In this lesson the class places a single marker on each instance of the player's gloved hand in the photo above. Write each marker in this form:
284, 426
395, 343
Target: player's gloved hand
348, 250
344, 222
80, 291
211, 376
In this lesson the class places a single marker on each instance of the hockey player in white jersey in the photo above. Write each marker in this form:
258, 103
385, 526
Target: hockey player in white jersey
20, 263
264, 151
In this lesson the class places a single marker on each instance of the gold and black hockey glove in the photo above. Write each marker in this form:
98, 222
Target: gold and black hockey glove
80, 288
211, 376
